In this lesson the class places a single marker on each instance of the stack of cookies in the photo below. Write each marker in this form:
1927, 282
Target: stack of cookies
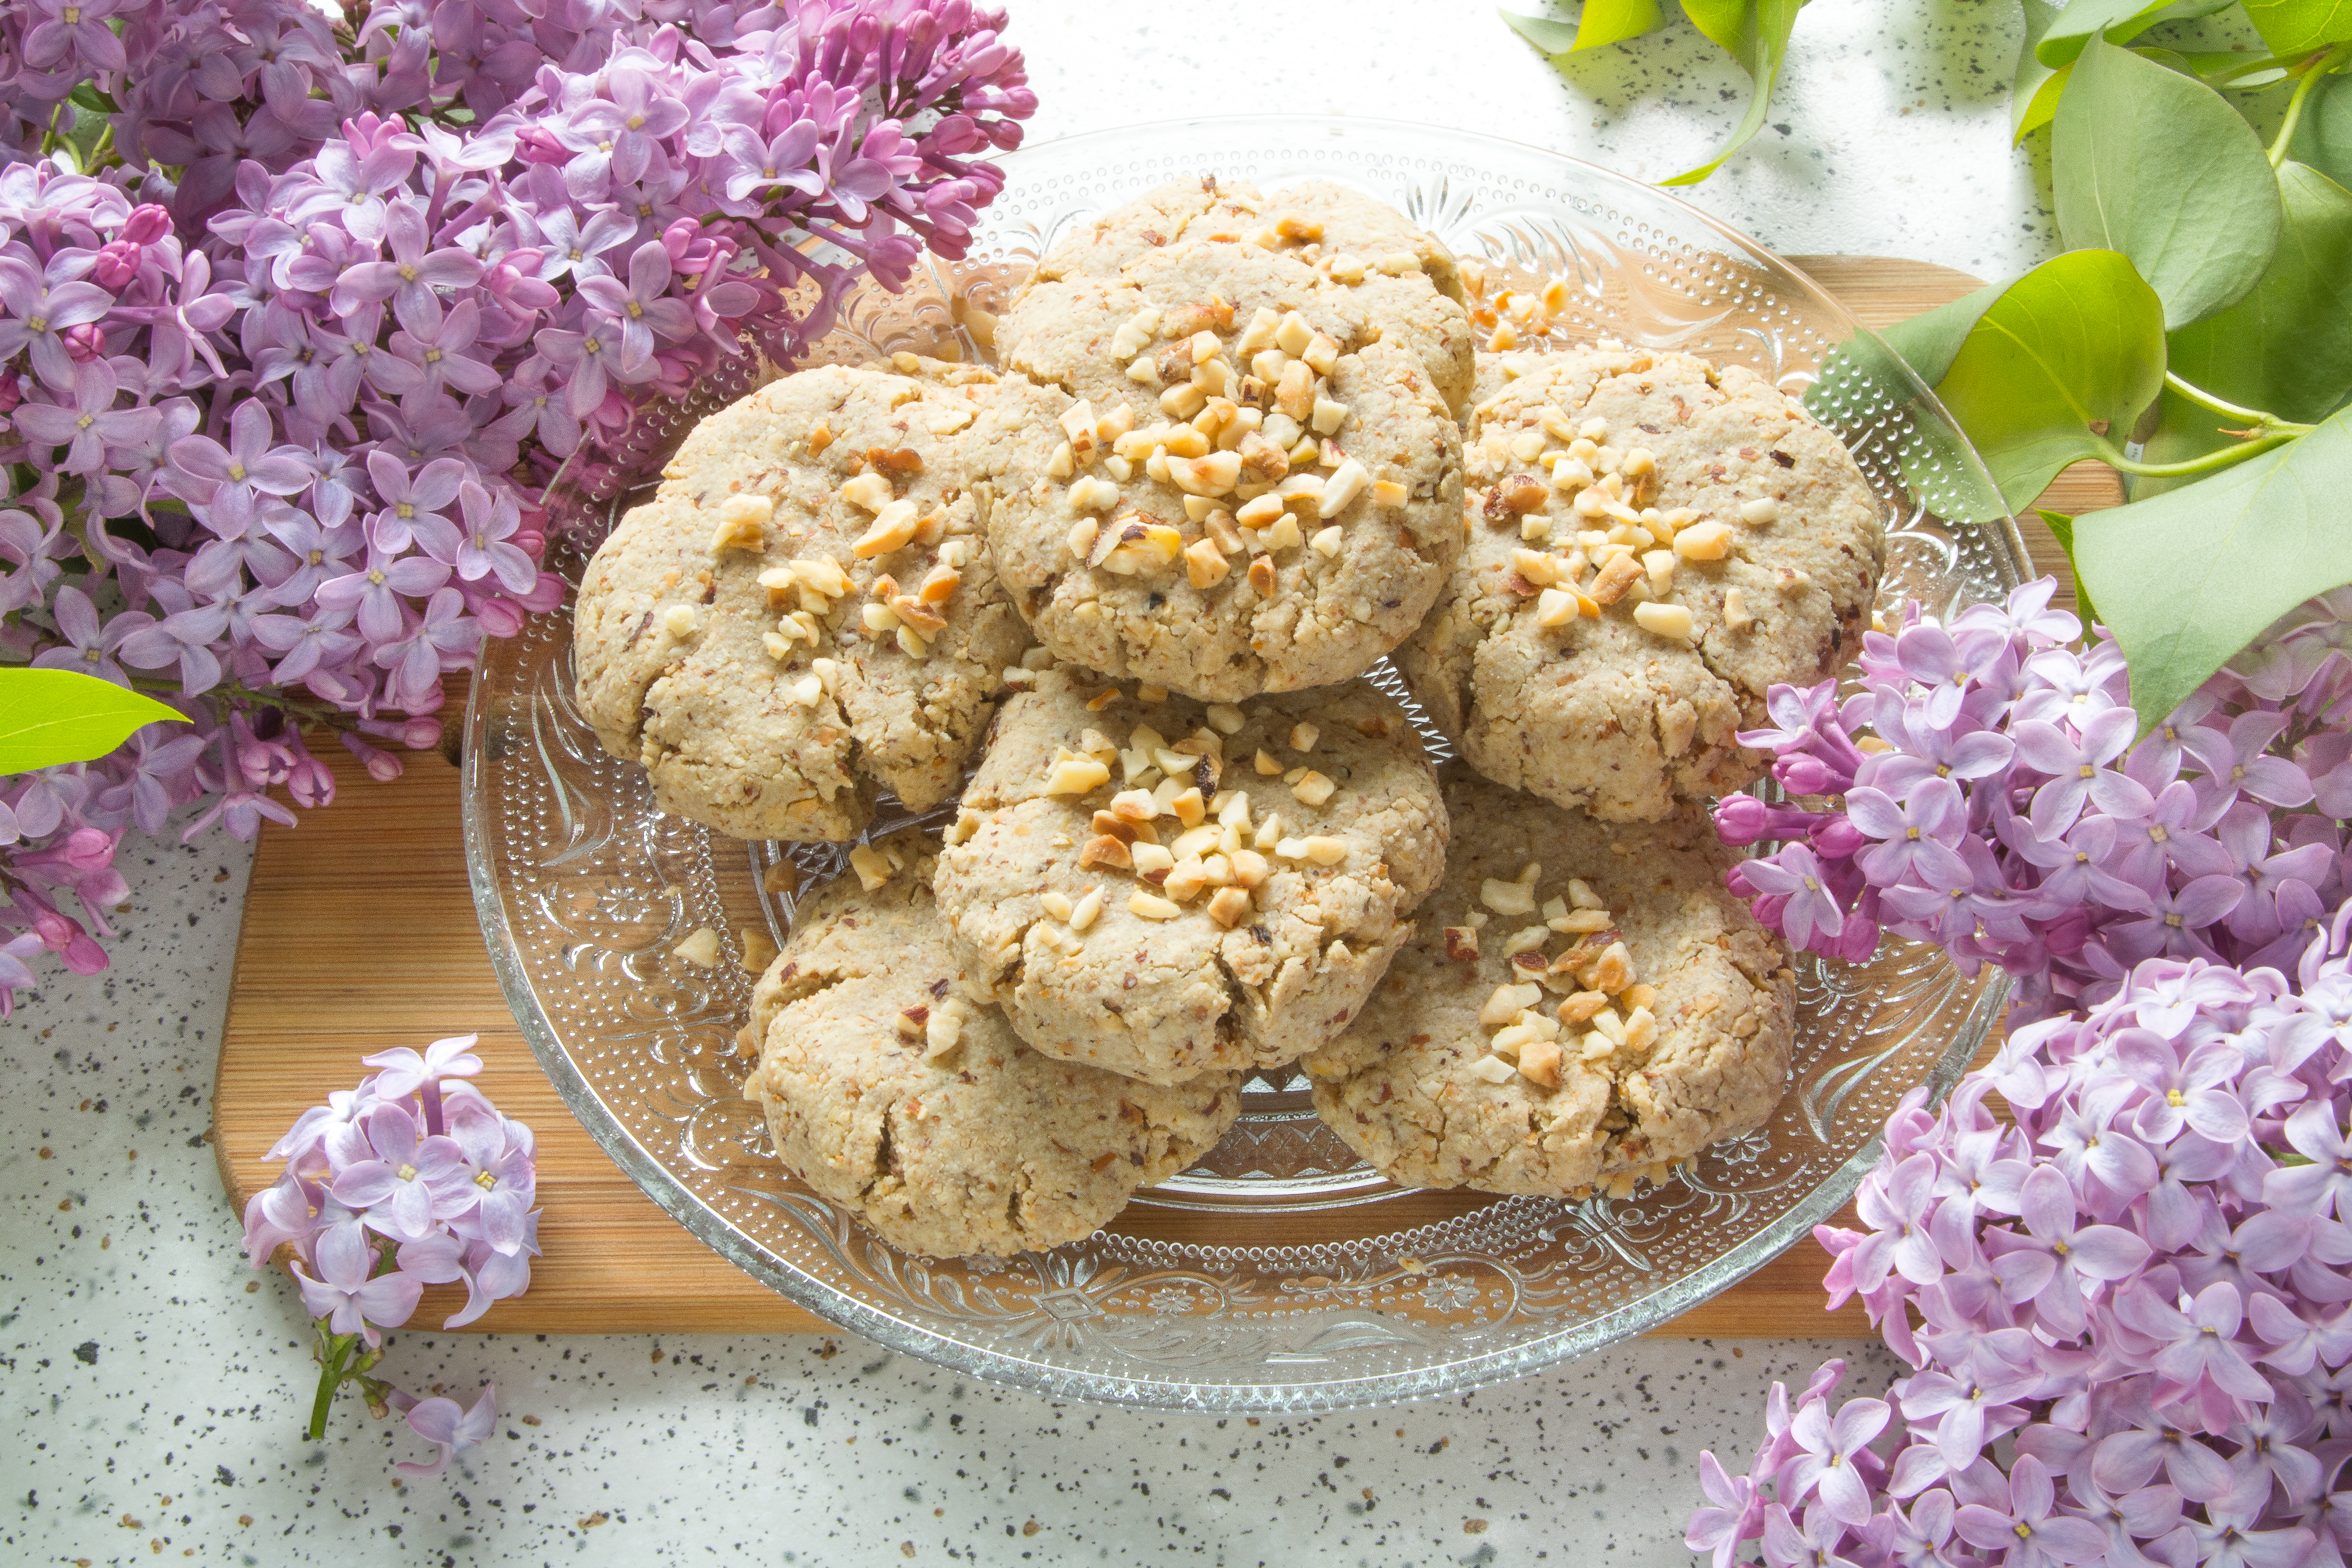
1118, 593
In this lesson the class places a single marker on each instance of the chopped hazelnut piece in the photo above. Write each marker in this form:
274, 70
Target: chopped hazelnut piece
1614, 971
1703, 541
1327, 542
808, 691
1615, 578
1076, 775
1209, 475
1581, 923
1091, 494
873, 866
1303, 737
1525, 938
1665, 620
1150, 858
1250, 867
1582, 1007
1348, 481
1229, 908
743, 522
1507, 1003
1314, 789
894, 526
1055, 904
1640, 1030
869, 491
1205, 565
1462, 944
1265, 764
1493, 1069
1389, 495
1507, 898
1105, 850
1762, 510
1151, 907
1540, 1063
1326, 851
1736, 614
1660, 565
679, 620
1261, 577
943, 1030
700, 949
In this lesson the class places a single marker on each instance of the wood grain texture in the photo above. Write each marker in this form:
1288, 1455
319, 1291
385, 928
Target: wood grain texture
360, 935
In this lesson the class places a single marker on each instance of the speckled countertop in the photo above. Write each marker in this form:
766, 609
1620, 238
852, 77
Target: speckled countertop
150, 1388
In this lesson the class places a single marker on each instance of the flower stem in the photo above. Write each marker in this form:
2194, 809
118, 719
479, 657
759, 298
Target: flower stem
2331, 61
2269, 423
334, 1352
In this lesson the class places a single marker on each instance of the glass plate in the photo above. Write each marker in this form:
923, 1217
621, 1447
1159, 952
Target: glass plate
1279, 1273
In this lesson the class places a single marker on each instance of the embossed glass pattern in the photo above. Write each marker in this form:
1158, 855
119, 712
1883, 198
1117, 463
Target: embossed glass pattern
1278, 1273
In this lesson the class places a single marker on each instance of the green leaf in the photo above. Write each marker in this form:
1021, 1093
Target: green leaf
1930, 341
2298, 26
2067, 355
2083, 20
2188, 578
2160, 167
90, 96
1759, 46
1603, 22
2033, 92
2322, 138
2286, 347
52, 716
2061, 529
1552, 38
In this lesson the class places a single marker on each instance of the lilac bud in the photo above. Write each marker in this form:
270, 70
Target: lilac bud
421, 735
310, 783
118, 263
85, 342
147, 224
382, 766
1836, 837
1806, 775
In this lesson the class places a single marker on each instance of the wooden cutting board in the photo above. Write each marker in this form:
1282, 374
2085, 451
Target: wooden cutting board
360, 935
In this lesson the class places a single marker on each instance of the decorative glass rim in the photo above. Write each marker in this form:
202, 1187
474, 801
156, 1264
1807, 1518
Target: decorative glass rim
1050, 164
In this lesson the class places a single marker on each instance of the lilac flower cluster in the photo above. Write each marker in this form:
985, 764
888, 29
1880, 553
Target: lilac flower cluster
2129, 1309
300, 325
1985, 793
412, 1179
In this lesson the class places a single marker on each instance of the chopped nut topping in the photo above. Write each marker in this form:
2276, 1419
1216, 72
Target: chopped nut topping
1205, 565
700, 948
1327, 542
1541, 567
1326, 851
1348, 481
943, 1030
1762, 510
1076, 775
1493, 1069
894, 526
1211, 475
1326, 416
1303, 737
808, 691
1314, 789
1460, 944
1614, 971
1055, 904
1249, 867
1283, 534
1540, 1063
1091, 494
1665, 620
1229, 908
1702, 540
869, 491
1619, 575
1660, 565
1151, 907
1736, 614
1582, 1007
743, 522
873, 866
1261, 577
1389, 495
1152, 858
1525, 938
1105, 850
1507, 898
1581, 923
1507, 1003
679, 620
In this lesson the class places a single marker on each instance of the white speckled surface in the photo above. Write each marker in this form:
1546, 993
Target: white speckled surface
154, 1389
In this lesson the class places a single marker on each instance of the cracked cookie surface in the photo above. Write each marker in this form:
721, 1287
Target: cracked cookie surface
1247, 964
894, 1088
1561, 671
1261, 486
1710, 1061
739, 634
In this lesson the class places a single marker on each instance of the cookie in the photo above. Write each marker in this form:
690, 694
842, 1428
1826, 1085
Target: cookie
1272, 505
1164, 888
1602, 647
1645, 1015
1341, 232
893, 1088
806, 612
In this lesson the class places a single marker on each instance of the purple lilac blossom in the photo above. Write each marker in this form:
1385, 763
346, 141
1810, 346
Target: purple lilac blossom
297, 329
2127, 1302
413, 1178
2018, 823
